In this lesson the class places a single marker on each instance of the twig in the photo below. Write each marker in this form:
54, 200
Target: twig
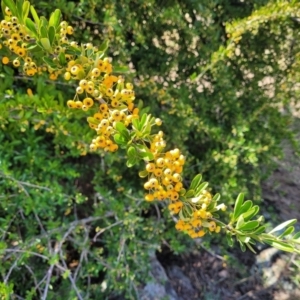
122, 244
49, 274
65, 267
158, 212
39, 222
25, 251
18, 297
34, 279
211, 253
106, 228
9, 271
105, 264
83, 254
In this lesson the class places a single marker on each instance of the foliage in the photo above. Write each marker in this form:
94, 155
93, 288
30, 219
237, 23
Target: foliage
71, 221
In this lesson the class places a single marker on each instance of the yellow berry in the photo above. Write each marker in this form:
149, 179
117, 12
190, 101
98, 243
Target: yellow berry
96, 72
78, 104
83, 83
16, 63
67, 76
70, 30
63, 24
89, 102
71, 103
218, 229
7, 11
75, 70
158, 172
79, 90
158, 121
160, 162
150, 167
149, 197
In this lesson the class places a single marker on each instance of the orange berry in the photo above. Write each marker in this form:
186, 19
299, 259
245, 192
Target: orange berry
5, 60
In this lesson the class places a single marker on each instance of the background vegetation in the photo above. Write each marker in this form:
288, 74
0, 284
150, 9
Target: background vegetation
222, 75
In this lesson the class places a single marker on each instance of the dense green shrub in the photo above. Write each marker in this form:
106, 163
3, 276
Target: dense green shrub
74, 223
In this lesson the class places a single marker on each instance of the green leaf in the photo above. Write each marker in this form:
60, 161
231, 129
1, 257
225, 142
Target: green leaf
143, 173
182, 216
238, 204
120, 140
120, 127
51, 35
190, 193
216, 197
182, 192
250, 248
31, 26
283, 225
147, 155
240, 222
288, 231
135, 123
49, 62
72, 50
251, 225
142, 121
131, 152
296, 236
46, 44
62, 59
280, 245
200, 188
103, 47
66, 274
43, 32
250, 213
229, 239
20, 10
131, 162
247, 206
260, 230
25, 10
55, 19
3, 245
53, 260
121, 69
43, 22
93, 120
243, 247
196, 181
243, 238
35, 15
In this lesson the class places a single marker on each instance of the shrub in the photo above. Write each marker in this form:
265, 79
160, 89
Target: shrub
74, 218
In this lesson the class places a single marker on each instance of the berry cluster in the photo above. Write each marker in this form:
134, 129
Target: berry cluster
17, 40
111, 102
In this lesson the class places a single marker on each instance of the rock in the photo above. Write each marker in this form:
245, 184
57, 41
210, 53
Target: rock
159, 287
